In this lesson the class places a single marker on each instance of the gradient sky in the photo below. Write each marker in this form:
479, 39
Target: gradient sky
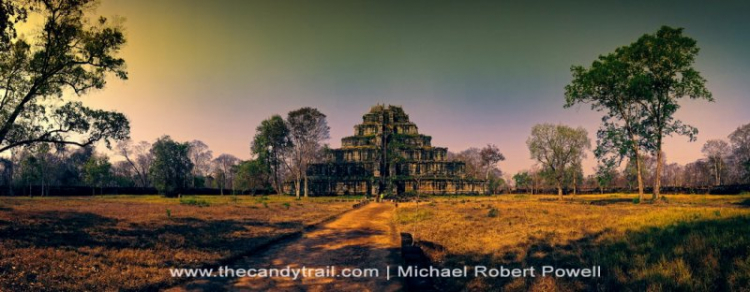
467, 73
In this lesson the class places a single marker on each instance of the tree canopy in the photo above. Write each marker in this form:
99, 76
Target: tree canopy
270, 143
557, 148
639, 87
171, 168
68, 55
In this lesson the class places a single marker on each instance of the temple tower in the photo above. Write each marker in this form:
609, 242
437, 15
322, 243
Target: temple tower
387, 154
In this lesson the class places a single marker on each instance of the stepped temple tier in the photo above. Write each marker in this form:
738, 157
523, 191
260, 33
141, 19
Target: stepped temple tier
388, 155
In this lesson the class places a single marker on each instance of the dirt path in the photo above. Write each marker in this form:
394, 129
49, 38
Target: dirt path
363, 238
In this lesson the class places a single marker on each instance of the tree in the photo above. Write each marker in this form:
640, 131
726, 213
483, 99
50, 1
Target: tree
251, 175
308, 129
716, 152
30, 171
67, 55
201, 157
606, 172
139, 157
490, 155
224, 165
270, 143
740, 140
557, 147
608, 86
96, 172
473, 161
639, 87
523, 180
664, 67
171, 168
574, 174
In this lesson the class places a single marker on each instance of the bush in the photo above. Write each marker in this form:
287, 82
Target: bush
192, 201
636, 200
493, 213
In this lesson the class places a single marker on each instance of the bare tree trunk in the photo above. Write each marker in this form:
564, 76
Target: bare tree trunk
305, 185
575, 178
638, 167
297, 186
487, 181
657, 178
559, 191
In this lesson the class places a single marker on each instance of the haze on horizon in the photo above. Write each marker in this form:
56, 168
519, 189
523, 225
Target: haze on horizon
468, 74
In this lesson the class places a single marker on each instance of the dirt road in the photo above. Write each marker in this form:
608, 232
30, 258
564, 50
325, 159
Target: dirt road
363, 238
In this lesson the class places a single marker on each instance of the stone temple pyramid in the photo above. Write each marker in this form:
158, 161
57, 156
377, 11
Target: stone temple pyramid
388, 155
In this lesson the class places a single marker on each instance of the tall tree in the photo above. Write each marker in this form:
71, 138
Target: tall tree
139, 157
490, 155
308, 129
558, 147
251, 175
663, 64
608, 86
716, 152
606, 172
96, 172
201, 157
67, 54
523, 180
740, 140
225, 165
270, 143
171, 168
639, 86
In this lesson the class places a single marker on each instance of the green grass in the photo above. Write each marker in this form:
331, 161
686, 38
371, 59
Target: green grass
193, 201
685, 243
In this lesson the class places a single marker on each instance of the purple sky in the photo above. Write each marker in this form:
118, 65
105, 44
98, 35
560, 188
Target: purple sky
467, 74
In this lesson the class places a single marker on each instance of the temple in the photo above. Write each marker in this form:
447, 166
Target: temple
388, 155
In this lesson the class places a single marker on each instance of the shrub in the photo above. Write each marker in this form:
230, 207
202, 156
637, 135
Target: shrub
493, 213
287, 205
194, 202
636, 200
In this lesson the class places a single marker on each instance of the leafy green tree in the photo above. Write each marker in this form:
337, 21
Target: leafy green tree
270, 143
664, 67
639, 86
606, 172
251, 175
523, 180
171, 168
67, 54
609, 87
557, 148
97, 172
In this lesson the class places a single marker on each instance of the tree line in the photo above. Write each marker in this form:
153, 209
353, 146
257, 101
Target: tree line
48, 139
724, 163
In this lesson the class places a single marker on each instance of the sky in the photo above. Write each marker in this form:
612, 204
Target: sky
468, 74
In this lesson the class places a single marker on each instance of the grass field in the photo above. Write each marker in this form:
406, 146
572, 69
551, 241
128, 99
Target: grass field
684, 243
129, 242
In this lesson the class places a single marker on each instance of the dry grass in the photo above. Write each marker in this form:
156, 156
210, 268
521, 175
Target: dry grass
129, 242
689, 242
